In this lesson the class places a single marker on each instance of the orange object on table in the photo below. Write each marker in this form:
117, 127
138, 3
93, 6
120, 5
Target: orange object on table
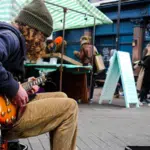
58, 40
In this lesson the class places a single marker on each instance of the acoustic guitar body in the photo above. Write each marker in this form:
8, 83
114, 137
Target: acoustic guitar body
7, 111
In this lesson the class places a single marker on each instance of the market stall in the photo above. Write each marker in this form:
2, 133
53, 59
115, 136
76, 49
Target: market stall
73, 79
66, 15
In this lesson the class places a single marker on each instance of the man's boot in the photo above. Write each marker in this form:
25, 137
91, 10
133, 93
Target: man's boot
16, 146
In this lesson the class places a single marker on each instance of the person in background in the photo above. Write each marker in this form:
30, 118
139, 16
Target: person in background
117, 91
85, 56
59, 43
47, 112
145, 63
50, 46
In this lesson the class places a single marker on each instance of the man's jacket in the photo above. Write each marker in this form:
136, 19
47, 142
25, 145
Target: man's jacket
12, 56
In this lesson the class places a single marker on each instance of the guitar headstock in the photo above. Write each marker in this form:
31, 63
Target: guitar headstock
45, 76
44, 73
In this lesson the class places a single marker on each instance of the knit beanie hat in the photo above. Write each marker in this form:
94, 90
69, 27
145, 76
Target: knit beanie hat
36, 15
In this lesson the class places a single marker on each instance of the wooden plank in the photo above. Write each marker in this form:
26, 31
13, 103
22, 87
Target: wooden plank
44, 140
35, 143
66, 58
82, 145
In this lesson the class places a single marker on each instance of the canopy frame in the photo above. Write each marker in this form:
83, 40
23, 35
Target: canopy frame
62, 50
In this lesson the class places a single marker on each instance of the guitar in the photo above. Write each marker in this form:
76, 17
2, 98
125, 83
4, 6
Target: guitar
8, 110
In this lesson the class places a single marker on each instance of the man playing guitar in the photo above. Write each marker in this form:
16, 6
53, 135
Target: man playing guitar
48, 112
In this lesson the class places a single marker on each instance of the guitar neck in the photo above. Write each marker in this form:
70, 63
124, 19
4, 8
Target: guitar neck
28, 85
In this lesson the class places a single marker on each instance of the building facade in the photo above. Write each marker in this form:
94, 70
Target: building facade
134, 29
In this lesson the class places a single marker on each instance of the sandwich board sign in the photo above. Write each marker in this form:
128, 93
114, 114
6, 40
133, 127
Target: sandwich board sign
120, 66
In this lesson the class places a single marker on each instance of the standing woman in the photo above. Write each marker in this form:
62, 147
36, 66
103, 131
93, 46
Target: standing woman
85, 56
145, 63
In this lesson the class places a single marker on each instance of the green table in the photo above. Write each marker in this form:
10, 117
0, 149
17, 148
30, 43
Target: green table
74, 78
66, 67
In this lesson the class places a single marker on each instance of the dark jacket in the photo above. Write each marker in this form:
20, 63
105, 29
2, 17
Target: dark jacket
146, 65
12, 56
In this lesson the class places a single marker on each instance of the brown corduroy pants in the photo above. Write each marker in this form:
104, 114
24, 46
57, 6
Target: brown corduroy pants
49, 112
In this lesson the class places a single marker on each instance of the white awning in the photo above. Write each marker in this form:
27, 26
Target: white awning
10, 8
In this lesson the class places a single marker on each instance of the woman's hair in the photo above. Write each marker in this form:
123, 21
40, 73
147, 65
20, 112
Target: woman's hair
49, 41
85, 37
35, 42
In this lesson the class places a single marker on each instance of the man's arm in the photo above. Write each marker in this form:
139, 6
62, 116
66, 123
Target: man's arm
8, 85
9, 45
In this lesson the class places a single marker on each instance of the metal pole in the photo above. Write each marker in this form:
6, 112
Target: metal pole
118, 27
70, 9
62, 50
93, 43
65, 9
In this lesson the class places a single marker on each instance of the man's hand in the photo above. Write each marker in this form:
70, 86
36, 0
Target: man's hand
35, 88
75, 52
21, 97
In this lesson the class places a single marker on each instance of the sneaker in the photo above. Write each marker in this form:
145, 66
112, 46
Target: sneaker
140, 103
147, 101
91, 101
116, 95
121, 93
16, 146
76, 148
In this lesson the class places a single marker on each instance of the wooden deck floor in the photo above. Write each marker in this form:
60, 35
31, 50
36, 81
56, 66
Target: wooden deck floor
105, 127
